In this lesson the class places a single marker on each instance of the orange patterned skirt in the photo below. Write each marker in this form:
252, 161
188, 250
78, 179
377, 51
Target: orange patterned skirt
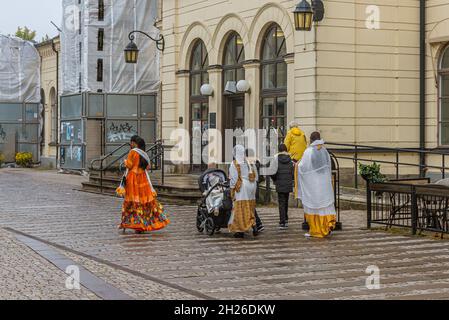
141, 211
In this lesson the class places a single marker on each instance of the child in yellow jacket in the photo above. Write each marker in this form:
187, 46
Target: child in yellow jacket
296, 142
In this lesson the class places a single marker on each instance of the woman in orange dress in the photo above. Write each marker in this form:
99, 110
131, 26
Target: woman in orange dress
141, 211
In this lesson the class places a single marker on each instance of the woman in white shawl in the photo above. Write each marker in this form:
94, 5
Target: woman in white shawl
315, 188
243, 184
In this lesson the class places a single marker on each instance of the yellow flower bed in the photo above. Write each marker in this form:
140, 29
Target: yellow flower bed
24, 159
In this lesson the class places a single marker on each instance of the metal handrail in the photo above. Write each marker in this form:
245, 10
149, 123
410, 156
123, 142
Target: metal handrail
107, 156
357, 149
362, 148
160, 153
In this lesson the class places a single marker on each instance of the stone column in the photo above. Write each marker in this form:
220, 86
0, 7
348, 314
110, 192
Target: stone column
181, 153
252, 98
216, 135
291, 114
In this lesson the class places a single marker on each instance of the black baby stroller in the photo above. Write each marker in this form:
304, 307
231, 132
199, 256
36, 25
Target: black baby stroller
215, 208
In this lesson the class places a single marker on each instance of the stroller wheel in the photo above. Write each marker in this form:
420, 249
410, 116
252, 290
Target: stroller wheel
210, 226
200, 223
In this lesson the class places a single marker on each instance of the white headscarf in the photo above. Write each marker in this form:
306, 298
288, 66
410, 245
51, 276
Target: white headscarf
239, 154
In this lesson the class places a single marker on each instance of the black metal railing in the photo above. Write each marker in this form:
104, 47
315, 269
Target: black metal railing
156, 154
108, 156
354, 153
414, 204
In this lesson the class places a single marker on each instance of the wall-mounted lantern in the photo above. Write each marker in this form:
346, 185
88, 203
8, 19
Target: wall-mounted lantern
230, 88
243, 86
207, 90
305, 14
132, 51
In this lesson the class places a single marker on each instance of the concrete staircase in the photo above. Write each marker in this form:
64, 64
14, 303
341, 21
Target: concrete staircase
177, 189
183, 189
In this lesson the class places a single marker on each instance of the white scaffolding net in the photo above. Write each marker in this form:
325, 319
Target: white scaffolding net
19, 71
91, 65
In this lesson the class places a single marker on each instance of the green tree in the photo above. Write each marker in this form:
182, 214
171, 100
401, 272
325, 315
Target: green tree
25, 33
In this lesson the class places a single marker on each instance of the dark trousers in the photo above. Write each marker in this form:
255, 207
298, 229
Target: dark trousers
259, 223
283, 207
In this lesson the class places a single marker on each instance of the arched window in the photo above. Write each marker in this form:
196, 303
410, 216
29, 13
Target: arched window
198, 68
443, 72
199, 105
233, 58
54, 114
274, 81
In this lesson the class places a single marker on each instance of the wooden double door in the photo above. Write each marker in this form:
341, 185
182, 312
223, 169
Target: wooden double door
233, 119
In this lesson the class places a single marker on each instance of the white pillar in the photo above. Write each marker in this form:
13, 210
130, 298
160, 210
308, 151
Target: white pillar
216, 135
252, 98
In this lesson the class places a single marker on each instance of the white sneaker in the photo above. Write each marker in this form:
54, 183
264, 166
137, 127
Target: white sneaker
307, 235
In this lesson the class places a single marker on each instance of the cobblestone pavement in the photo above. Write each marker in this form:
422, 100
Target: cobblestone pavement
179, 263
26, 275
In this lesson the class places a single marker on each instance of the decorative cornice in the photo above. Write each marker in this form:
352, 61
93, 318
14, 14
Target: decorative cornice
215, 67
289, 55
182, 72
251, 61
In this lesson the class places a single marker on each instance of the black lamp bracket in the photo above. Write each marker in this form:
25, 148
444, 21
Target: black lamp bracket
318, 10
160, 42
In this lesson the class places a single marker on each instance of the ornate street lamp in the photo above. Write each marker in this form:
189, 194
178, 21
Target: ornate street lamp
132, 51
305, 14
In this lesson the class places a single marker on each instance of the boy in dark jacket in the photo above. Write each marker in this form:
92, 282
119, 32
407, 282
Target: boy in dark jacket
284, 179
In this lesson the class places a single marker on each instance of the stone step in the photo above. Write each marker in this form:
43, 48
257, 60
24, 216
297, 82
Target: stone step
188, 181
165, 194
177, 185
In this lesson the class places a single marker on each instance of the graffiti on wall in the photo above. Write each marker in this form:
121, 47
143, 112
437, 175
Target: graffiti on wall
75, 153
121, 132
71, 132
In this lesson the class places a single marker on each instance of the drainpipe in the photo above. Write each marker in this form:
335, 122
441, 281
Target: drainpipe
57, 100
422, 85
42, 133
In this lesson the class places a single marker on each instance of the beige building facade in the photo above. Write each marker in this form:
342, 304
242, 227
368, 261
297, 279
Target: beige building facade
355, 76
49, 52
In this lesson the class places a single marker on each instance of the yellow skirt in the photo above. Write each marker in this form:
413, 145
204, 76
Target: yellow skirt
243, 218
321, 225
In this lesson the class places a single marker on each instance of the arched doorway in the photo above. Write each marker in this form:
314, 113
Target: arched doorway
233, 113
274, 82
199, 106
443, 98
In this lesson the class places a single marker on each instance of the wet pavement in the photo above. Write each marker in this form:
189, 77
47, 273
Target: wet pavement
180, 263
